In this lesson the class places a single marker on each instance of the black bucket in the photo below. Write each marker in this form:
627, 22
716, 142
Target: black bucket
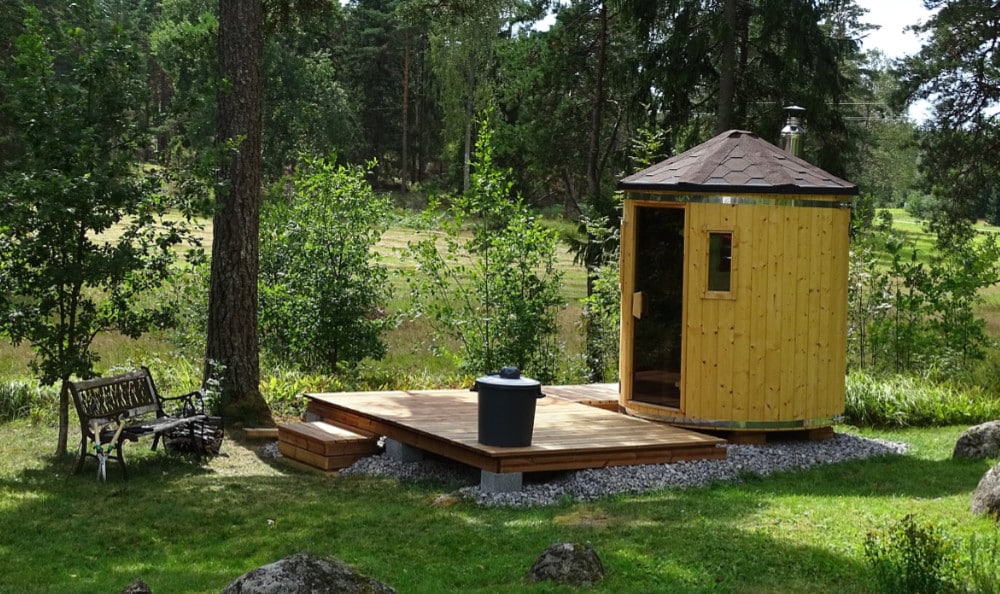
507, 408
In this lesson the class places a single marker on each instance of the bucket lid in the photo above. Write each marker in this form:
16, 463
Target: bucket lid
510, 378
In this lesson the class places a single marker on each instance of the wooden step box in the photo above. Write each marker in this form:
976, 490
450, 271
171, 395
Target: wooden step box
323, 445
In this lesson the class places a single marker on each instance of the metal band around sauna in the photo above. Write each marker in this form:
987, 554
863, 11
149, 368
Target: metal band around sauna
741, 200
694, 423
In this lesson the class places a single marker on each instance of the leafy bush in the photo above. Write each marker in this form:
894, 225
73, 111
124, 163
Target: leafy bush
906, 314
921, 206
982, 566
283, 388
187, 293
908, 401
909, 557
322, 288
490, 281
602, 316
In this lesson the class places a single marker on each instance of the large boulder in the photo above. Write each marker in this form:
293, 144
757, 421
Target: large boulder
986, 497
306, 574
981, 441
568, 563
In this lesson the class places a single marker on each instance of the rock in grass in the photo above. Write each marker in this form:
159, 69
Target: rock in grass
306, 574
568, 563
981, 441
137, 587
986, 497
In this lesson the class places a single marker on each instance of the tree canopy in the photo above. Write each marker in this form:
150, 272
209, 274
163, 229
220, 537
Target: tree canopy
957, 69
86, 235
99, 98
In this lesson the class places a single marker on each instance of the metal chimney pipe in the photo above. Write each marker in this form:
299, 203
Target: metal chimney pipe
793, 132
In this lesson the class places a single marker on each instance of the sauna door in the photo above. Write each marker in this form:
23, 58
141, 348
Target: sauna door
657, 305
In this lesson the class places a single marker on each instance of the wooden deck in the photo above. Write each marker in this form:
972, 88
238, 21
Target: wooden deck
567, 434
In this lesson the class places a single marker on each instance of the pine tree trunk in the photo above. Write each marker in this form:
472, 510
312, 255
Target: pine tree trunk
594, 189
470, 117
404, 161
597, 111
63, 438
232, 309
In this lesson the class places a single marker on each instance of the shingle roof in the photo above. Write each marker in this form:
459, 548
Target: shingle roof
737, 162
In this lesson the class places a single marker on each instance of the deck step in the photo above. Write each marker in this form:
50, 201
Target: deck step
324, 445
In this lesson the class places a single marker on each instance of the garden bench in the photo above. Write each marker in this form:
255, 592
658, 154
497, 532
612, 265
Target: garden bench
120, 408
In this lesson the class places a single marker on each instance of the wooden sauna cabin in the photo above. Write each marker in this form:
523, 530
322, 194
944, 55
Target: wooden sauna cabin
734, 289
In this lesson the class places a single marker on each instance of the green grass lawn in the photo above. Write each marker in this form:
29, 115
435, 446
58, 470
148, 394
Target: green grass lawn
182, 528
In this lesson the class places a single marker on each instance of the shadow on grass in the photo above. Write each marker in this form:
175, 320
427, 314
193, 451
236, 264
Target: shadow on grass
183, 527
194, 532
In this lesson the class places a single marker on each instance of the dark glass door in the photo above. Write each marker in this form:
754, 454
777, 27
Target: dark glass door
658, 305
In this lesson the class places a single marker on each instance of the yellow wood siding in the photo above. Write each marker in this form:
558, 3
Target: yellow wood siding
772, 351
627, 285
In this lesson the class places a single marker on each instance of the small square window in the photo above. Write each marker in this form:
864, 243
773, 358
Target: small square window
720, 261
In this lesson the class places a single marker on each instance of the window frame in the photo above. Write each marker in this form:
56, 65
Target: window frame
707, 292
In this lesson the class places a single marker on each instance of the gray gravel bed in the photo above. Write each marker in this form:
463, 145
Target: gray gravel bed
595, 483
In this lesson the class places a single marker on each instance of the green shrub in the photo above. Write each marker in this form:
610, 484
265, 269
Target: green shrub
909, 401
283, 387
909, 558
489, 283
187, 292
601, 316
982, 567
911, 309
323, 290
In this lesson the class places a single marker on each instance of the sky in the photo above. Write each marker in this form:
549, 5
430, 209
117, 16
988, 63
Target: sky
893, 17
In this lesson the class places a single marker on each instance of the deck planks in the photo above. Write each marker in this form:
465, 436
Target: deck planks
567, 435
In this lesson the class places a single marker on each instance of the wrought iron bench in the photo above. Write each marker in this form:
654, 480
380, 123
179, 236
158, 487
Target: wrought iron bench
120, 408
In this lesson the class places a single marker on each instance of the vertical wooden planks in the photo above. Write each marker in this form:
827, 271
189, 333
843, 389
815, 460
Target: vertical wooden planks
789, 265
725, 219
698, 399
759, 291
743, 265
817, 391
773, 350
772, 314
840, 229
803, 395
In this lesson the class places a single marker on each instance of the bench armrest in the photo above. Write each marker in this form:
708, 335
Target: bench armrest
186, 405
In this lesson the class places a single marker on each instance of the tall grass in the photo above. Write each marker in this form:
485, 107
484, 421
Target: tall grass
23, 398
908, 401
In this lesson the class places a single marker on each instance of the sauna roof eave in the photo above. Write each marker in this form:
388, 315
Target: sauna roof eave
724, 190
737, 162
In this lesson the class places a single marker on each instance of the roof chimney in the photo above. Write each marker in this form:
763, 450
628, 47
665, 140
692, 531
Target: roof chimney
792, 133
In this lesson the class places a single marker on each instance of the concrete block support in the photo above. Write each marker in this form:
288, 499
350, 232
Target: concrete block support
401, 452
502, 482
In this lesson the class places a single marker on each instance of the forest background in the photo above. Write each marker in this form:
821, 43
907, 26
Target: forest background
477, 145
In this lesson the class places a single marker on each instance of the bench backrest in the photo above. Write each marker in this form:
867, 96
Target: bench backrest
127, 395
